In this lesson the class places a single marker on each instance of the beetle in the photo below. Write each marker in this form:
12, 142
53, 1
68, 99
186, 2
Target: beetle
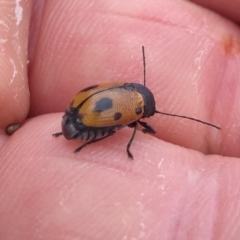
96, 112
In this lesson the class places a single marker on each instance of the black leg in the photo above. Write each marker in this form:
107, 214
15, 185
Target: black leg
146, 127
132, 125
93, 141
57, 134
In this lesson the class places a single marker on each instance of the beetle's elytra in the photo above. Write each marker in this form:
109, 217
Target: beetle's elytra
96, 112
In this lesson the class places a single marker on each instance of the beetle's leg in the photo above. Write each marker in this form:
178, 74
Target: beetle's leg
146, 127
93, 141
132, 125
57, 134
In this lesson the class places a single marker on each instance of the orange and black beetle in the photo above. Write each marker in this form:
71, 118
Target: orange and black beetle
96, 112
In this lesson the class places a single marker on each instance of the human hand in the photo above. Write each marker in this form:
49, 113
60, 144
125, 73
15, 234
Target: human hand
167, 191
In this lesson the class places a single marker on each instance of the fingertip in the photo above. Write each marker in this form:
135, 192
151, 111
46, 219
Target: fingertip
14, 90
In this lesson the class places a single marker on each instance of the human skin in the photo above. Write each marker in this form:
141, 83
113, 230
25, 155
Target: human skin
183, 182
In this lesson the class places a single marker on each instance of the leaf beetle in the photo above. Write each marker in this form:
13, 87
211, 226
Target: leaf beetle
96, 112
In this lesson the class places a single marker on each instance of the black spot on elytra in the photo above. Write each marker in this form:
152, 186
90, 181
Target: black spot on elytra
138, 110
103, 104
117, 116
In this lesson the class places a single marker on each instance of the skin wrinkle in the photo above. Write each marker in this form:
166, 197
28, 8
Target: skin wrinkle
141, 18
228, 42
36, 24
199, 62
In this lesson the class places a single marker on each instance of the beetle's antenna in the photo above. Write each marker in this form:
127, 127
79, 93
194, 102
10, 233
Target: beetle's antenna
144, 67
190, 118
169, 114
